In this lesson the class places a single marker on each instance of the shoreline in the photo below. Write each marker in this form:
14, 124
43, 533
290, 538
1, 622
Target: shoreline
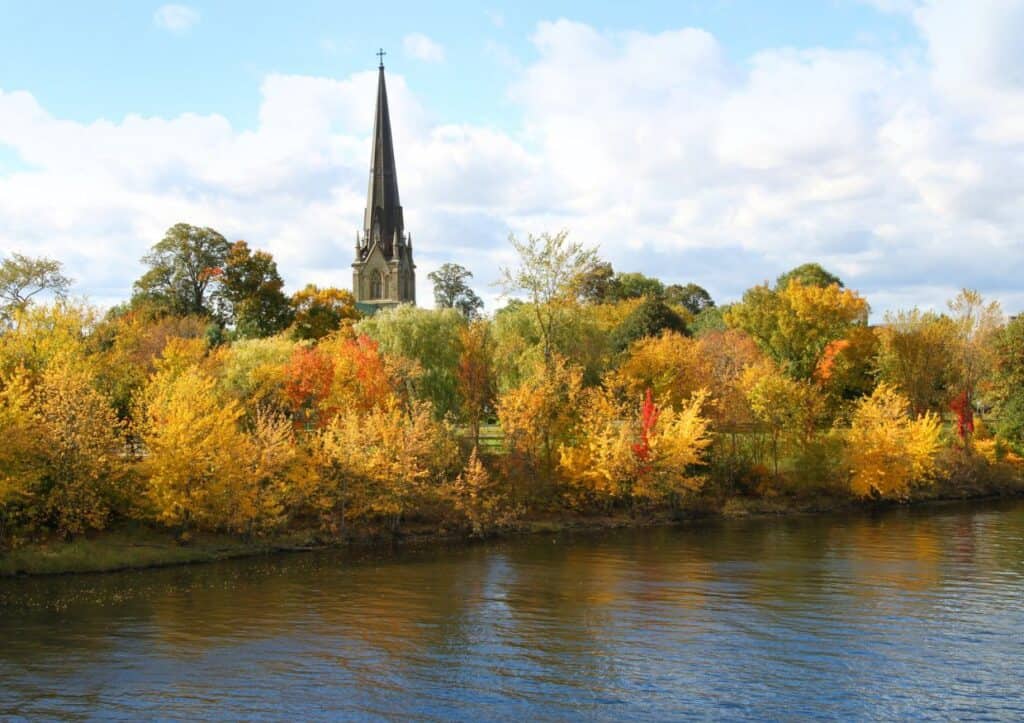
137, 546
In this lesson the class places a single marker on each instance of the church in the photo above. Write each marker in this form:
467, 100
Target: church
383, 273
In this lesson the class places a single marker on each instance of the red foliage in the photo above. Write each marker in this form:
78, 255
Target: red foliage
648, 418
308, 377
362, 372
961, 406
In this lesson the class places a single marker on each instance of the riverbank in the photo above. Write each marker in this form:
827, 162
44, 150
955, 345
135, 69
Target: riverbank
134, 545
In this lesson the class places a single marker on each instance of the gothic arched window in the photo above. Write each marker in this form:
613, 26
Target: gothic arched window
376, 285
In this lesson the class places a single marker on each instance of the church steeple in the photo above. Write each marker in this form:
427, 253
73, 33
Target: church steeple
383, 220
383, 273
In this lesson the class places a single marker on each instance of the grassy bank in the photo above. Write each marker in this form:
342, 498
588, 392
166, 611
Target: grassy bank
133, 545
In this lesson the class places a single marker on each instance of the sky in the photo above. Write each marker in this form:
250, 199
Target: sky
718, 141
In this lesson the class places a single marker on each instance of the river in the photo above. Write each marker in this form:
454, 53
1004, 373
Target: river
901, 613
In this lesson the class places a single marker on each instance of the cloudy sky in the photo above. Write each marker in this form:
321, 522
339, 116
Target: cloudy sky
716, 141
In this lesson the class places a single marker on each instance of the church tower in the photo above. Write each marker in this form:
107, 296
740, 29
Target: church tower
383, 273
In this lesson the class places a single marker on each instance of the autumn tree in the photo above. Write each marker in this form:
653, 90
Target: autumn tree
364, 378
977, 323
380, 465
308, 381
319, 312
475, 375
428, 337
795, 323
650, 318
541, 413
914, 357
692, 297
251, 292
789, 410
451, 290
670, 365
888, 450
22, 278
481, 498
549, 273
183, 268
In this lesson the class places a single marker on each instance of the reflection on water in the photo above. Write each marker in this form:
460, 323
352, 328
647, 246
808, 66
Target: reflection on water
904, 613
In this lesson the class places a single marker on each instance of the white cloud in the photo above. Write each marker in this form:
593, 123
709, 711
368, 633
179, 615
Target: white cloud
903, 174
175, 18
420, 47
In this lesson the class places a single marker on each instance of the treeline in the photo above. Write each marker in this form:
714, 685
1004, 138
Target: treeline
211, 400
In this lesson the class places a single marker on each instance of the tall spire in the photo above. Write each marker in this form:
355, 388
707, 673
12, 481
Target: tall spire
383, 218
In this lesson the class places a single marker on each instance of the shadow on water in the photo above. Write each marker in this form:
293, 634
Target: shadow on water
901, 612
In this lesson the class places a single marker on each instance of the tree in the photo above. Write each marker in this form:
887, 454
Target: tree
251, 292
318, 312
887, 449
977, 323
1009, 381
550, 271
480, 498
692, 297
595, 285
475, 374
789, 409
182, 267
22, 278
914, 357
670, 365
428, 337
651, 318
796, 323
452, 292
810, 274
634, 285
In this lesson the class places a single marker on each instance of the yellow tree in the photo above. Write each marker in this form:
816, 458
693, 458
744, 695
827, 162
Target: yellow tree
378, 464
81, 451
196, 463
914, 356
600, 461
794, 324
540, 413
19, 470
676, 443
480, 498
670, 365
789, 410
888, 450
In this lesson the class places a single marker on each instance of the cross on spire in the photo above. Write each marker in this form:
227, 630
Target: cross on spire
381, 54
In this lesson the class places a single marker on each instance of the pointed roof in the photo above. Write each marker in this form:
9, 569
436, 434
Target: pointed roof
382, 201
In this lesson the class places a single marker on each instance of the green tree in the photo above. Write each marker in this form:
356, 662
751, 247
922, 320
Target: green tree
692, 297
634, 285
550, 271
22, 278
595, 286
914, 357
318, 312
182, 267
810, 274
651, 318
251, 291
429, 337
452, 292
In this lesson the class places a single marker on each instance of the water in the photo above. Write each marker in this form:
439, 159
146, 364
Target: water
907, 613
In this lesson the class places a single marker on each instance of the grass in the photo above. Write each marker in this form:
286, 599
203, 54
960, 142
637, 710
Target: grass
130, 545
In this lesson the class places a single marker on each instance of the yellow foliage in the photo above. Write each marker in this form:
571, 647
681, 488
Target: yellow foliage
196, 455
677, 442
542, 411
601, 459
375, 464
670, 365
480, 498
887, 449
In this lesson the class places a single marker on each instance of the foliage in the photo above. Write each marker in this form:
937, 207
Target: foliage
795, 324
650, 318
913, 356
475, 381
888, 450
251, 292
480, 498
550, 272
182, 267
378, 465
789, 409
308, 382
671, 365
541, 413
691, 297
810, 274
452, 292
319, 312
978, 324
430, 338
22, 278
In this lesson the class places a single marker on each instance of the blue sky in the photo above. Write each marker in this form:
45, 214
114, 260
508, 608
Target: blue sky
720, 141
